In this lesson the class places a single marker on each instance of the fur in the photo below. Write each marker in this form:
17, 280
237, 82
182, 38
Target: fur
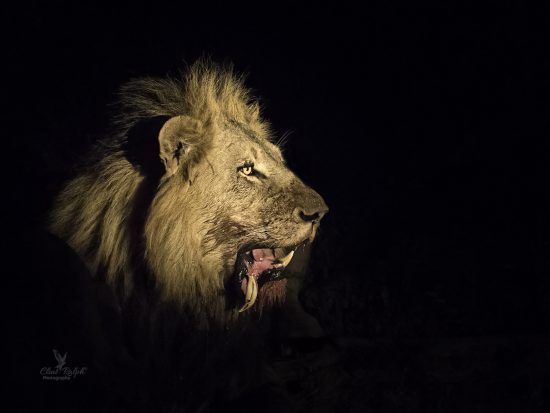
183, 230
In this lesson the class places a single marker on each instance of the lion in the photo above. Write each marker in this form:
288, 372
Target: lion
188, 206
225, 205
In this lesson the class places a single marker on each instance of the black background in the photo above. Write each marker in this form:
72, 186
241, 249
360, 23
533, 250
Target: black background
423, 129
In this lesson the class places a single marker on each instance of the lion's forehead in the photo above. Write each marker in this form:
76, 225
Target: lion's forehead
254, 134
248, 148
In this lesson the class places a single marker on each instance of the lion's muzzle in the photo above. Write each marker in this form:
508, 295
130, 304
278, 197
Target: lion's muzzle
310, 206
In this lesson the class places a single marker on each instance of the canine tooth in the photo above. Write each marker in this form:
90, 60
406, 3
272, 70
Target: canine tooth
244, 308
286, 260
251, 293
254, 292
250, 287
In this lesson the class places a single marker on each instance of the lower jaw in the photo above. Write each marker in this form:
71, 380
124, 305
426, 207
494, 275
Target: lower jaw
270, 294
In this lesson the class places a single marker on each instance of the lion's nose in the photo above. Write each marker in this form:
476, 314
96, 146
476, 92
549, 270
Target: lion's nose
309, 206
309, 217
312, 215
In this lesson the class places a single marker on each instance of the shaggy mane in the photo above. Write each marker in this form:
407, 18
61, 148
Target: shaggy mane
204, 92
107, 216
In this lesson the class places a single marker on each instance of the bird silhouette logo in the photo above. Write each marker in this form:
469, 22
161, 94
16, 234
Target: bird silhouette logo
60, 359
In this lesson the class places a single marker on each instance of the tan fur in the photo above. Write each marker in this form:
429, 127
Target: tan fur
199, 216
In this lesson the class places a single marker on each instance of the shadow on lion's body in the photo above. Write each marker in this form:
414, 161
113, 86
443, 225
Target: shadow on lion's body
160, 243
140, 357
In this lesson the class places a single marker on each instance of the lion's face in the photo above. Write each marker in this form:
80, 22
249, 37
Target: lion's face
257, 211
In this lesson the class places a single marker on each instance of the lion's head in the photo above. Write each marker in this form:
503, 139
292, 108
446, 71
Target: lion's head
224, 213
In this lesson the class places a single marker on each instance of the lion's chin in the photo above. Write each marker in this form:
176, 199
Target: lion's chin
259, 273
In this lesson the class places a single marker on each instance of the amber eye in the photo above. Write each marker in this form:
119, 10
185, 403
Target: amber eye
247, 169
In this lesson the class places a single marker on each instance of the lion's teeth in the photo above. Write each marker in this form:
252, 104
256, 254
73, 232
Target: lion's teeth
251, 288
245, 307
251, 293
254, 291
286, 259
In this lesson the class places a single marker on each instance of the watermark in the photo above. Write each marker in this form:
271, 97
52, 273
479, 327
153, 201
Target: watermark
61, 372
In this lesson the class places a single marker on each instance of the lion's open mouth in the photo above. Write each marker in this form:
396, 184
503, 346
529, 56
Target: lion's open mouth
256, 267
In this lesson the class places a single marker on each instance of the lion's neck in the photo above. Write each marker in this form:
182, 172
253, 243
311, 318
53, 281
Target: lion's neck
123, 225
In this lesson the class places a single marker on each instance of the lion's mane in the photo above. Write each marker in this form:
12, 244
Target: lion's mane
123, 222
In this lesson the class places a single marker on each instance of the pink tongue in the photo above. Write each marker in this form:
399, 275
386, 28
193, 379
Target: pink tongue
263, 260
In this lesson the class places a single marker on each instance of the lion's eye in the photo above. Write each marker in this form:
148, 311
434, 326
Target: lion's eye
247, 169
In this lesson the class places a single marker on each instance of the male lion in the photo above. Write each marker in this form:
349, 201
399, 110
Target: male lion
195, 243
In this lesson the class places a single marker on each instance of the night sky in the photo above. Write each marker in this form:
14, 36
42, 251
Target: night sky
424, 131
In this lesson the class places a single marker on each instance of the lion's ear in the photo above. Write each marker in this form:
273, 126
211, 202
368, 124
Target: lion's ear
176, 140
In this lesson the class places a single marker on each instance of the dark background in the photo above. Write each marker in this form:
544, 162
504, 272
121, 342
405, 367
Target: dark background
424, 130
